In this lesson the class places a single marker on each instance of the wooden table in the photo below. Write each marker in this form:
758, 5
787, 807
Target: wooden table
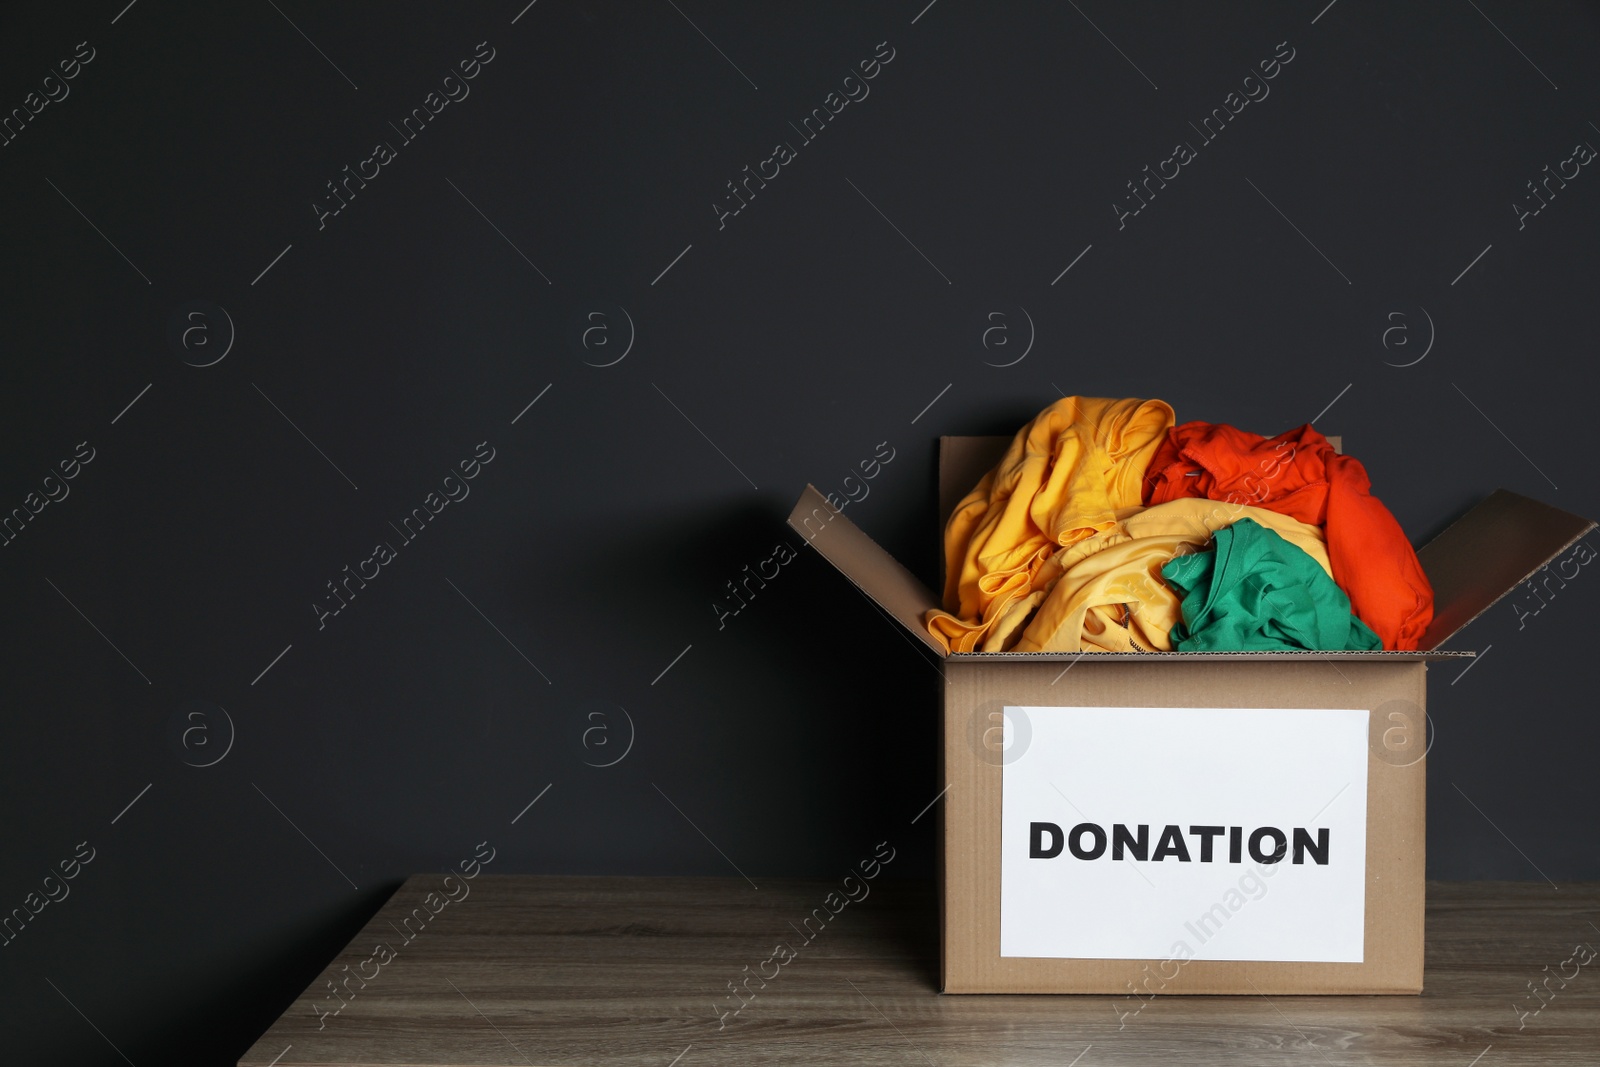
562, 971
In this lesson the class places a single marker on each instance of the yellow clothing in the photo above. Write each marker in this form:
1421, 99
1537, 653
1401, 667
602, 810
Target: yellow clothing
1106, 593
1071, 473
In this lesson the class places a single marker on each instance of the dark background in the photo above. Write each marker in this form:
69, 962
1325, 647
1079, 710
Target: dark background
854, 290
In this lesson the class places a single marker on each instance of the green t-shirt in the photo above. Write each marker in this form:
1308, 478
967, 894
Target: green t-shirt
1254, 591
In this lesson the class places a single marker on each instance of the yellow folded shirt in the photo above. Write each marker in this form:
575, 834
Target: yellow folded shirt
1073, 472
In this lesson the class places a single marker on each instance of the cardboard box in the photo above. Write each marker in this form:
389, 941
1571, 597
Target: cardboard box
1195, 772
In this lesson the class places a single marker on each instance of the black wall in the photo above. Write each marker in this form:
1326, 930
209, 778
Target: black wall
161, 611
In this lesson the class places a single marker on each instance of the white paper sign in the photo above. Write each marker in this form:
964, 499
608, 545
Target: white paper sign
1184, 833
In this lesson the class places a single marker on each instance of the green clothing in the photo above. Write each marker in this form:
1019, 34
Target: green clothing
1254, 591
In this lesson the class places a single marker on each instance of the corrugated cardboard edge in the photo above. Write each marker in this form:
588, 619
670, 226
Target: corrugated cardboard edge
970, 960
1481, 557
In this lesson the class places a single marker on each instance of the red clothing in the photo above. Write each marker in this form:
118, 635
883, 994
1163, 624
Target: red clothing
1300, 475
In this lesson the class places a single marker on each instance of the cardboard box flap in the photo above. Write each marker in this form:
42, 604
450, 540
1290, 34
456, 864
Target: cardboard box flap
860, 559
1488, 552
963, 461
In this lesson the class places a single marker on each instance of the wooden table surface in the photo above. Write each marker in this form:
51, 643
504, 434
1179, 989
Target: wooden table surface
541, 971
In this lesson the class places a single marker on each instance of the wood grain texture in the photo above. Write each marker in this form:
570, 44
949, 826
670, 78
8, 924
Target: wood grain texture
544, 971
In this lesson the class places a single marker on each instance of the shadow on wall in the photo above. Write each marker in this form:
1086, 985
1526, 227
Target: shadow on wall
226, 1012
708, 546
846, 714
